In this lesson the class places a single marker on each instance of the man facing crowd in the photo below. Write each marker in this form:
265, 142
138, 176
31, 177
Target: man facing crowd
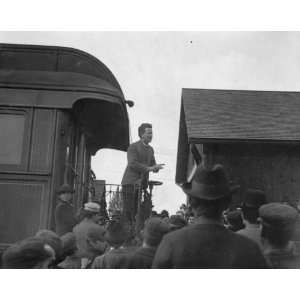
141, 162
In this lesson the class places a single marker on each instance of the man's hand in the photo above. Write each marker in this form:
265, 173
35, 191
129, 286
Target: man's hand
156, 168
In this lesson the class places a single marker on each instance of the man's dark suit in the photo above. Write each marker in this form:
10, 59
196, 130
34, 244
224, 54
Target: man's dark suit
207, 246
140, 157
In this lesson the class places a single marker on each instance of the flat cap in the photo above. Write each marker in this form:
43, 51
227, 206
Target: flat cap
278, 214
254, 198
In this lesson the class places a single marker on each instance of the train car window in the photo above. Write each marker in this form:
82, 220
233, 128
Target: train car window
11, 137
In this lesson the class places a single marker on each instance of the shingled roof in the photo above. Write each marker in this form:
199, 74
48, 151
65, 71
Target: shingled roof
221, 116
241, 115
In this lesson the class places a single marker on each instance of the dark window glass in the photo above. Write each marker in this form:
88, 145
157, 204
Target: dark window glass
11, 138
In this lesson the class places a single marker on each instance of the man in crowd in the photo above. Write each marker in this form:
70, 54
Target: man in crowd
141, 162
278, 224
154, 230
207, 243
53, 240
254, 199
91, 216
70, 259
177, 222
235, 220
64, 211
117, 255
31, 253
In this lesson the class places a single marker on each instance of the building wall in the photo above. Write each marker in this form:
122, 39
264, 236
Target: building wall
273, 168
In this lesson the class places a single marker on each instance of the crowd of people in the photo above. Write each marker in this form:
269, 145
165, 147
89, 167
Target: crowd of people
206, 233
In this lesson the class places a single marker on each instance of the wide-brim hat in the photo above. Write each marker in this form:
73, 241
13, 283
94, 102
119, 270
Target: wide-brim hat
209, 183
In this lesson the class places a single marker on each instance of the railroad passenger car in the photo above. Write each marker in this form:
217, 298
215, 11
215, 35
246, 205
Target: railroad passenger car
58, 106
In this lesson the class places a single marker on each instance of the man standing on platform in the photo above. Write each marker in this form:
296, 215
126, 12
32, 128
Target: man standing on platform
141, 162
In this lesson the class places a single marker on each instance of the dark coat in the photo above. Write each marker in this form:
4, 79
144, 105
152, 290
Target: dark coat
285, 259
142, 258
114, 259
81, 233
64, 218
207, 246
139, 158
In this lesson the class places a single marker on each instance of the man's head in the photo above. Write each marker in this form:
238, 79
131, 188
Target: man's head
145, 132
164, 214
177, 222
209, 191
69, 244
235, 220
91, 211
254, 199
96, 240
65, 192
154, 230
51, 238
31, 253
116, 233
278, 223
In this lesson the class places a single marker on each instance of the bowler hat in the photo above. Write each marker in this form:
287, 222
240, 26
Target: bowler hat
254, 198
65, 188
278, 215
209, 183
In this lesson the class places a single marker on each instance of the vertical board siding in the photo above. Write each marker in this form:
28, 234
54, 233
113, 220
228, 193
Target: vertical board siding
273, 169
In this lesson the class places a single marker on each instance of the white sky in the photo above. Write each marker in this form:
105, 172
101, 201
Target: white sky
153, 67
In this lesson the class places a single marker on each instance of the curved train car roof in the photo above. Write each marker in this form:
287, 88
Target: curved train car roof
66, 78
53, 59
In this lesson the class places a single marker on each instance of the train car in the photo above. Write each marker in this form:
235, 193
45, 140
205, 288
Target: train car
58, 107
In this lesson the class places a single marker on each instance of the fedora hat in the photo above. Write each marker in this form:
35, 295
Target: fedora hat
209, 183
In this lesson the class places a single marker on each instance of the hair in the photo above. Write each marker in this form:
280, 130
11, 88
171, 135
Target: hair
235, 220
209, 208
26, 254
278, 237
250, 214
142, 128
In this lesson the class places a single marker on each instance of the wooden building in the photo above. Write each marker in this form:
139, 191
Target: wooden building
58, 106
254, 134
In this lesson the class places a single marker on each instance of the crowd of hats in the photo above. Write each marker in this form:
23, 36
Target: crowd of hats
47, 249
